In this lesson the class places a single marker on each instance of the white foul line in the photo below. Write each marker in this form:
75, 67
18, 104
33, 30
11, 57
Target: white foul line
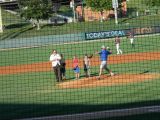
102, 114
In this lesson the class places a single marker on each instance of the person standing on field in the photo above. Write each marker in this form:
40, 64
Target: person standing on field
63, 67
104, 57
55, 60
76, 68
131, 37
86, 64
117, 42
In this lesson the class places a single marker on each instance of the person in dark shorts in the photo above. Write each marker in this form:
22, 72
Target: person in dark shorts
63, 67
86, 64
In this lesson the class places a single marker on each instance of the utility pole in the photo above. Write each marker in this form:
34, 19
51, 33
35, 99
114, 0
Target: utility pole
115, 6
1, 25
83, 16
72, 5
116, 18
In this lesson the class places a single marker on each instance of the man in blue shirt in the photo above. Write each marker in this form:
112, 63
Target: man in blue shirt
104, 57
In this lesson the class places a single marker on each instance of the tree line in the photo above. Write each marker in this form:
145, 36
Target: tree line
43, 9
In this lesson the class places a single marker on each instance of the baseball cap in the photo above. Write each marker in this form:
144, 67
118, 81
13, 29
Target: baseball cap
103, 47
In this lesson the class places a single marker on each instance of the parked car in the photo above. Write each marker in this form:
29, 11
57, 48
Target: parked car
59, 19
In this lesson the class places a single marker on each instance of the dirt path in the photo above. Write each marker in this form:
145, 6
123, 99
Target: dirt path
46, 66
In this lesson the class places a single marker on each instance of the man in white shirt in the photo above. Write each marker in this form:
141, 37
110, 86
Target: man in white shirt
55, 60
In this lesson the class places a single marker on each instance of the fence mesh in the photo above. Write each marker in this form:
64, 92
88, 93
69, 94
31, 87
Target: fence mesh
76, 60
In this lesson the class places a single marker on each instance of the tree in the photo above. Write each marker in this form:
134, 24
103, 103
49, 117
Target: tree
35, 10
152, 2
99, 5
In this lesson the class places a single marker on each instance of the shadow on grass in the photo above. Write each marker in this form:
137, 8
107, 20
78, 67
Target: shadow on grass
18, 25
53, 25
19, 111
16, 33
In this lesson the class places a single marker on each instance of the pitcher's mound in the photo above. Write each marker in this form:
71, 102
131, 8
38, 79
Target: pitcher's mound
108, 80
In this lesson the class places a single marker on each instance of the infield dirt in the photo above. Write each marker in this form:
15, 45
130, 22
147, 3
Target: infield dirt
108, 80
46, 66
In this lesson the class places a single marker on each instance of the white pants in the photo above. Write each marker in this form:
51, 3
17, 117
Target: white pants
103, 65
119, 51
131, 40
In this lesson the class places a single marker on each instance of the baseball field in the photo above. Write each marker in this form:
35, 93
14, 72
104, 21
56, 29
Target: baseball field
28, 87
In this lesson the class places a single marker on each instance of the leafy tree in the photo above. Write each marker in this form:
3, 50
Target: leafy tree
35, 10
99, 5
152, 2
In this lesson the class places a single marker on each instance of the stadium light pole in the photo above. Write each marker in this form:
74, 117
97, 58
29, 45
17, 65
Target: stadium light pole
115, 6
1, 25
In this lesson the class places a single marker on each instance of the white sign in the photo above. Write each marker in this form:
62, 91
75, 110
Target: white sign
115, 3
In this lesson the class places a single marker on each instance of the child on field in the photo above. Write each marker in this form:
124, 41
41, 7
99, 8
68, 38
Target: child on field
63, 67
86, 64
76, 67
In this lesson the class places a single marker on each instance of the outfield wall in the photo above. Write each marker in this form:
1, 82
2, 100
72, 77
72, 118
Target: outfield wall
41, 40
67, 38
113, 33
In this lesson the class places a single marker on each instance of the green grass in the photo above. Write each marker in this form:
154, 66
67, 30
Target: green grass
28, 94
35, 94
19, 28
40, 54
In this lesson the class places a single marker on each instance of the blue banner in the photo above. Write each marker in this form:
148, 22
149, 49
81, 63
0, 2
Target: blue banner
121, 33
105, 34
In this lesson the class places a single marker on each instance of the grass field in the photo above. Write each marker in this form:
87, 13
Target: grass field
31, 55
35, 94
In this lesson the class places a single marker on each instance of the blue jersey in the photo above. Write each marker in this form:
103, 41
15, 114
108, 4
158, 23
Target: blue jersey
104, 54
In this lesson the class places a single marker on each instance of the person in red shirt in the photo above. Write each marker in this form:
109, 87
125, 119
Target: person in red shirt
76, 68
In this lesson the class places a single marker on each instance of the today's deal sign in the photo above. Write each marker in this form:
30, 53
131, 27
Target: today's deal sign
104, 34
